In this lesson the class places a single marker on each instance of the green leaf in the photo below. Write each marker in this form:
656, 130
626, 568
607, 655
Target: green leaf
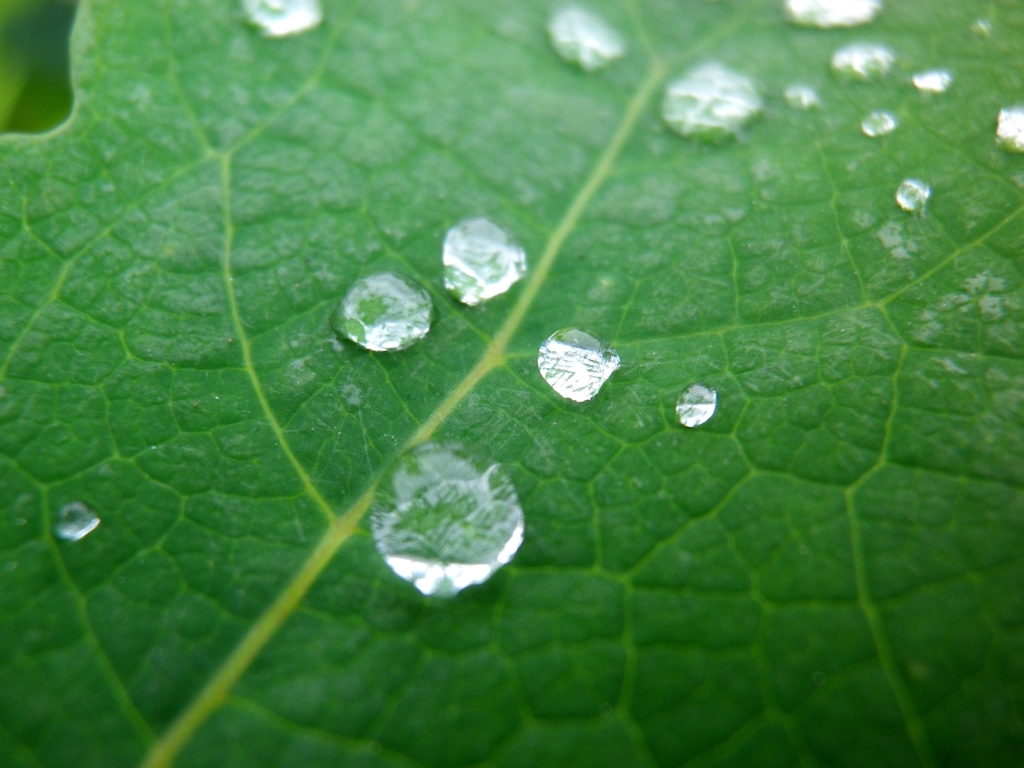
830, 572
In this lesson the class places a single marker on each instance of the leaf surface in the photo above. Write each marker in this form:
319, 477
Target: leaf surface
828, 573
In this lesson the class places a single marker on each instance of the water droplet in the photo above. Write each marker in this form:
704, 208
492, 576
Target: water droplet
447, 520
933, 81
710, 102
584, 38
982, 27
879, 124
481, 261
913, 195
75, 521
279, 18
862, 61
826, 14
696, 405
384, 312
576, 364
802, 97
1010, 132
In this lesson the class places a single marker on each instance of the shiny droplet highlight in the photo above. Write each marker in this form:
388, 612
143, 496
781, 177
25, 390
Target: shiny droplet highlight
827, 14
446, 520
913, 195
696, 405
576, 364
280, 18
584, 38
75, 521
710, 103
802, 97
383, 313
862, 61
933, 81
481, 261
1010, 129
879, 124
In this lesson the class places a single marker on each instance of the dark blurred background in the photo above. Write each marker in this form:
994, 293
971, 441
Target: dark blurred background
35, 83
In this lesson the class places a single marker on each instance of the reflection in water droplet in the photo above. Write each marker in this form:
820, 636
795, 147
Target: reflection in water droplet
802, 97
576, 364
832, 13
1010, 132
384, 312
879, 124
933, 81
279, 18
862, 61
696, 405
584, 38
75, 521
913, 195
481, 260
447, 520
710, 102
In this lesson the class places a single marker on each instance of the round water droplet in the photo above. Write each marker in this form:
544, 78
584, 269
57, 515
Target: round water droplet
879, 124
584, 38
696, 405
710, 103
1010, 131
913, 195
279, 18
933, 81
802, 97
862, 61
481, 260
446, 520
826, 14
384, 312
75, 521
576, 364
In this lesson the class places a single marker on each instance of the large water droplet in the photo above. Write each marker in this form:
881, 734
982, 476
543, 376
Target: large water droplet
696, 405
1010, 132
826, 14
710, 102
447, 520
862, 61
584, 38
879, 124
75, 521
279, 18
913, 195
802, 97
933, 81
481, 260
576, 364
384, 312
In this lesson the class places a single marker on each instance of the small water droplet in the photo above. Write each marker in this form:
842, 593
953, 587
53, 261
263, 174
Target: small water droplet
75, 521
982, 27
576, 364
933, 81
862, 61
384, 312
696, 405
802, 97
826, 14
481, 261
279, 18
879, 124
447, 520
584, 38
913, 195
1010, 132
710, 103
